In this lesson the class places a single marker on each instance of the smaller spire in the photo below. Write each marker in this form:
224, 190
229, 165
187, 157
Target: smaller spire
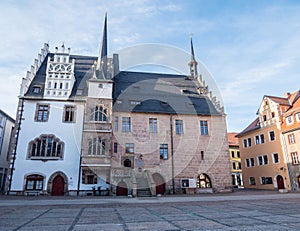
193, 63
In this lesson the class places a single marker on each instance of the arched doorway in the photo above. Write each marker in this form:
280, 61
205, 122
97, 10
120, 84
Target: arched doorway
203, 181
122, 189
160, 183
58, 186
280, 182
127, 163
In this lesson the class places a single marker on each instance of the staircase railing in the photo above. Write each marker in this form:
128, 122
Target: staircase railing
150, 182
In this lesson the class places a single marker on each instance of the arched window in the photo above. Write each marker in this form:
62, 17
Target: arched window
96, 146
203, 181
99, 114
34, 182
46, 147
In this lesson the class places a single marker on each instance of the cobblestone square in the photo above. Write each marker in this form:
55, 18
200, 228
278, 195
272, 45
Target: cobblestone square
243, 210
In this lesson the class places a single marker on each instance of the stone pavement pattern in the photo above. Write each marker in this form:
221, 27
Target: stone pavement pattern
248, 214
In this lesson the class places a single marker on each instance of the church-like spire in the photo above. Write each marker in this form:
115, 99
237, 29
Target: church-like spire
193, 63
101, 67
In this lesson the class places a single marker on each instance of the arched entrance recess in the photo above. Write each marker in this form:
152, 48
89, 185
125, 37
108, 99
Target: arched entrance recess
127, 163
122, 189
160, 183
280, 182
58, 184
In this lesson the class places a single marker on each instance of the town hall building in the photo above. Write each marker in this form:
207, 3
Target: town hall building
85, 127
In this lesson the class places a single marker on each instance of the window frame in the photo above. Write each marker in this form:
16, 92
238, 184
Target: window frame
295, 158
153, 125
42, 114
273, 157
129, 148
204, 128
36, 179
291, 138
272, 137
179, 127
164, 151
96, 146
69, 115
46, 147
126, 124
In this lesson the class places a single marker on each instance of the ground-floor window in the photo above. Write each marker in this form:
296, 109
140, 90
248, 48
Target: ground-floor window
89, 177
203, 181
34, 182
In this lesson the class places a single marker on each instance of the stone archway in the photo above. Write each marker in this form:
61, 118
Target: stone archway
160, 183
57, 184
127, 163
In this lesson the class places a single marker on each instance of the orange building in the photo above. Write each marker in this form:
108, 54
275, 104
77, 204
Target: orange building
265, 162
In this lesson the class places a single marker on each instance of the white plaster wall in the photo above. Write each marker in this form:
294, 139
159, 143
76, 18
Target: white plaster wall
5, 143
95, 92
69, 133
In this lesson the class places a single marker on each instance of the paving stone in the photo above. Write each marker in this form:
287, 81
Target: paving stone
201, 224
151, 226
99, 227
13, 221
49, 222
46, 228
113, 218
279, 219
241, 221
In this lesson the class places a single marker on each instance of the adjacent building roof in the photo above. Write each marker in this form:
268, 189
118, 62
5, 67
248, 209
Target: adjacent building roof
253, 126
232, 139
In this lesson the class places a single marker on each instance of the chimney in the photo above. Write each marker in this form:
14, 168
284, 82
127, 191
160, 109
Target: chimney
287, 95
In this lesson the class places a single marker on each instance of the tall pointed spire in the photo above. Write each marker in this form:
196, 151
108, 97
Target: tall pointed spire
101, 67
193, 63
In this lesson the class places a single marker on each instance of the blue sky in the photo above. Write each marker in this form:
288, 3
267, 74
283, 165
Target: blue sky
251, 48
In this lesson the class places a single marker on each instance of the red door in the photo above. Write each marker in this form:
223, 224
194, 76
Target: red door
160, 184
122, 189
280, 182
58, 186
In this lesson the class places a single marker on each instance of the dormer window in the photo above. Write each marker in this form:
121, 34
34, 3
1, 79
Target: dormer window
79, 92
36, 89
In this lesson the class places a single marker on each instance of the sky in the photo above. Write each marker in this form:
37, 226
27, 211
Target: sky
250, 48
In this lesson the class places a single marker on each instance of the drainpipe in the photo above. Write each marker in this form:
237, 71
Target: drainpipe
80, 160
172, 153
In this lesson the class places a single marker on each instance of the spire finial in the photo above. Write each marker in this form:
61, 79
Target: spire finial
102, 58
193, 63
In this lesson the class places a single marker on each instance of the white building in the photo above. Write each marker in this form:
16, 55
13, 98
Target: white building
6, 126
64, 143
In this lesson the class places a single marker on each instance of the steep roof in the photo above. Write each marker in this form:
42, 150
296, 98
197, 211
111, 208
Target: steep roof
159, 93
251, 127
82, 72
280, 100
138, 91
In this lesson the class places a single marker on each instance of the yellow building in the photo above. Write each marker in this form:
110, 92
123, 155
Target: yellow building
235, 160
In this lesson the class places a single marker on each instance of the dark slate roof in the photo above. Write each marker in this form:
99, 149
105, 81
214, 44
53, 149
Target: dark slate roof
253, 126
159, 93
82, 71
136, 91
